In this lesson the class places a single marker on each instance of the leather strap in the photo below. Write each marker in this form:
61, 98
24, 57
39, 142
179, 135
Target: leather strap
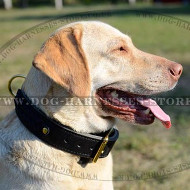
58, 135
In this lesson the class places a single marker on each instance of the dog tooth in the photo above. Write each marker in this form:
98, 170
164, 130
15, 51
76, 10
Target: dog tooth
114, 94
147, 111
121, 100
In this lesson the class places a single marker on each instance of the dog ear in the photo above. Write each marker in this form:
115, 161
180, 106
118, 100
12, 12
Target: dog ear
63, 60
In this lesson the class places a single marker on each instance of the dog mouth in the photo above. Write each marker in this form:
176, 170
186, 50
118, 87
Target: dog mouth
133, 108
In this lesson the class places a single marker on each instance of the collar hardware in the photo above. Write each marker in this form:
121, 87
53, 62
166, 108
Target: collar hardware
45, 131
102, 147
10, 83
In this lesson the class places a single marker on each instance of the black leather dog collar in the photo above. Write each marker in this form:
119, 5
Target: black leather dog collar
60, 136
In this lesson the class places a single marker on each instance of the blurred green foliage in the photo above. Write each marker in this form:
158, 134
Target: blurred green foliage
20, 3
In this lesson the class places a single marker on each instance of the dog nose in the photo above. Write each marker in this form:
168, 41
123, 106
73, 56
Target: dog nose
175, 70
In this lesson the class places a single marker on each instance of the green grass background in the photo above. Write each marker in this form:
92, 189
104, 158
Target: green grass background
139, 148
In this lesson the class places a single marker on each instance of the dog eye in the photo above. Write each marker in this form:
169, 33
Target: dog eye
122, 49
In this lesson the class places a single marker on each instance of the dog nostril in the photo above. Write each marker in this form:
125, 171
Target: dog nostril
172, 72
175, 70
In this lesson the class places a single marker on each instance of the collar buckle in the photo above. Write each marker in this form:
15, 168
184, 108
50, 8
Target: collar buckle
102, 147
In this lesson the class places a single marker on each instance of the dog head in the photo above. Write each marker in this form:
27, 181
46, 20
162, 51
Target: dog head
95, 59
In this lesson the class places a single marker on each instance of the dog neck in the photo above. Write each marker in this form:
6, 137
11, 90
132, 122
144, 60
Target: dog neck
82, 118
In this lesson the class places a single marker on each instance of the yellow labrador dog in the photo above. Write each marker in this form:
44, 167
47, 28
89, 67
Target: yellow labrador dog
83, 59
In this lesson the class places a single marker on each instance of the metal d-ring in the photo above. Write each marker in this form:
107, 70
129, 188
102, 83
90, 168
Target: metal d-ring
10, 82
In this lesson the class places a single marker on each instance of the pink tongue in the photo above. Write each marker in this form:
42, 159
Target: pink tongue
157, 111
